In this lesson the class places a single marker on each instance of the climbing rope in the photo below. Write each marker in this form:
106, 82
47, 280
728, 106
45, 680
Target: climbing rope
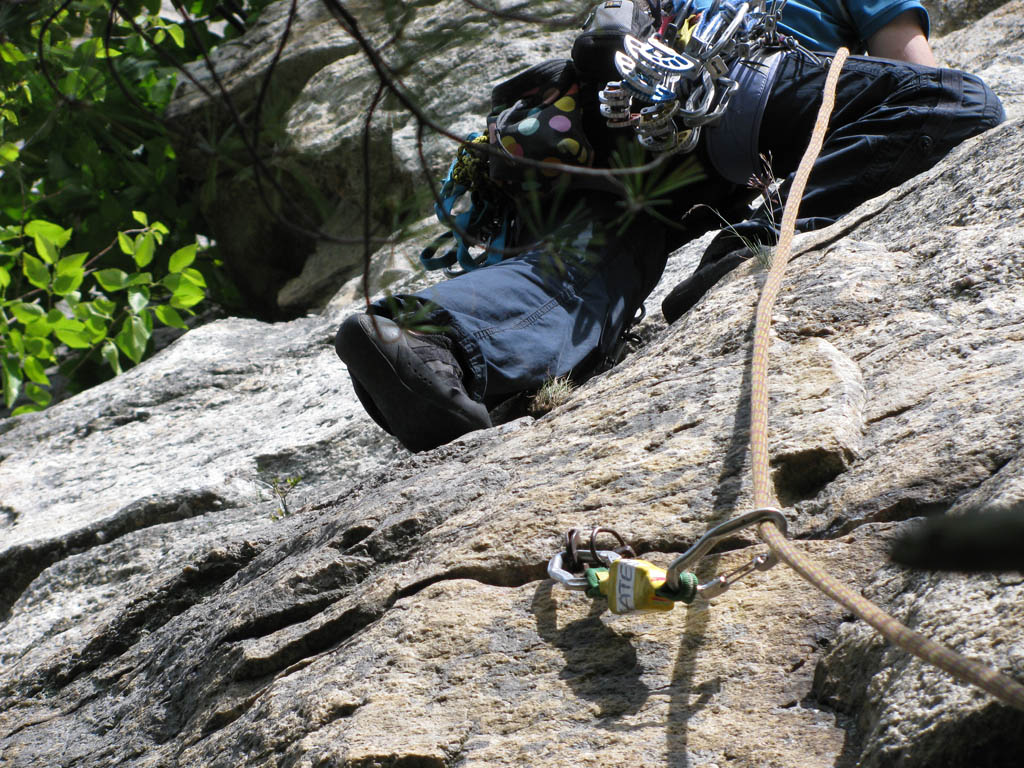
967, 670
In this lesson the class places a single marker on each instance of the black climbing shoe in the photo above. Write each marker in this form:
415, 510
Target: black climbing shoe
410, 384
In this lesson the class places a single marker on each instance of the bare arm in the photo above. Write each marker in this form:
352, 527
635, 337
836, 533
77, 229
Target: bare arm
903, 39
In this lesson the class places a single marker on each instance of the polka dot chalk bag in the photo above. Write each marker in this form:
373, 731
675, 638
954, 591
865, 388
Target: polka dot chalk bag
537, 115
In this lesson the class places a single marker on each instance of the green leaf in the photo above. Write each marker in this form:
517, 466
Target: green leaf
69, 324
27, 313
8, 153
5, 278
138, 298
71, 264
10, 53
194, 276
145, 247
11, 373
177, 34
74, 339
141, 278
111, 279
17, 341
132, 338
186, 295
96, 328
26, 408
40, 347
46, 249
111, 358
141, 217
34, 370
39, 328
169, 316
182, 257
103, 307
126, 244
36, 272
70, 274
41, 397
65, 284
53, 232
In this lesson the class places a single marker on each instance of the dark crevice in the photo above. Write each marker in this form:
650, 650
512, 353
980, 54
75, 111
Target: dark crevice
671, 548
352, 536
804, 474
152, 611
315, 641
21, 564
890, 414
224, 717
513, 576
313, 593
290, 616
898, 512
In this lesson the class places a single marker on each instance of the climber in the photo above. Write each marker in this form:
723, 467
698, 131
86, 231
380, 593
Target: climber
427, 366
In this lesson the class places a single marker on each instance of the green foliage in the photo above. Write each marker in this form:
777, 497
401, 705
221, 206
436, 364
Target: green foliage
59, 309
83, 149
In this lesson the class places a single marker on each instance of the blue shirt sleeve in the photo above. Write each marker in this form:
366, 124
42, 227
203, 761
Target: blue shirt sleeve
869, 16
825, 25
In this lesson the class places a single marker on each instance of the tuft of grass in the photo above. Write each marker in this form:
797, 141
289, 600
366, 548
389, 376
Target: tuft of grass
553, 393
763, 254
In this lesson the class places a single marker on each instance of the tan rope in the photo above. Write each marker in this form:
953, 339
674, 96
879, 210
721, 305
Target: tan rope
892, 630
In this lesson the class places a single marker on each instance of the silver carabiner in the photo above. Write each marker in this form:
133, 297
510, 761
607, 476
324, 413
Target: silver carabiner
705, 543
557, 572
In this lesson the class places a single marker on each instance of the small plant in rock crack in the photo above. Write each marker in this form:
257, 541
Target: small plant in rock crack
767, 187
281, 487
553, 393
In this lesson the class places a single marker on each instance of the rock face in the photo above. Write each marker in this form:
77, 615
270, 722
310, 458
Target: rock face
168, 598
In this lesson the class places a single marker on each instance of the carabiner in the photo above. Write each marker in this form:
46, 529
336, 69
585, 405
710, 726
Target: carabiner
557, 571
705, 543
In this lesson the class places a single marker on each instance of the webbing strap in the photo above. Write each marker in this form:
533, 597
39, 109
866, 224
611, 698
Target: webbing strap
968, 670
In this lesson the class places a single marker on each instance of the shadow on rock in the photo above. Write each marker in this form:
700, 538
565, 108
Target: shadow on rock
600, 664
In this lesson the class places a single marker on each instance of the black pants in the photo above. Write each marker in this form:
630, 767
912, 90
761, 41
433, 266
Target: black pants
891, 121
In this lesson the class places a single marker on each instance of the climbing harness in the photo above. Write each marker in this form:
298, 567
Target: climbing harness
684, 76
771, 527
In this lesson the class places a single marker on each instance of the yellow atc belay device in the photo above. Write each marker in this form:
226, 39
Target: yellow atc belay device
632, 585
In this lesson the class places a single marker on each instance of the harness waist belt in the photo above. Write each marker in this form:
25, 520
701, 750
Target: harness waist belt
732, 143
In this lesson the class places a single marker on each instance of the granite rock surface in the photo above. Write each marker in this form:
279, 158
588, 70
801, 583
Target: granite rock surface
168, 598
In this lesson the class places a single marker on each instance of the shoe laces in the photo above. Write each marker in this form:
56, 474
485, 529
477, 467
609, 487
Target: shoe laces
435, 350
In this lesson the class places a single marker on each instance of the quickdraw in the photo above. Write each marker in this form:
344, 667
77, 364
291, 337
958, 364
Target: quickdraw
632, 585
679, 77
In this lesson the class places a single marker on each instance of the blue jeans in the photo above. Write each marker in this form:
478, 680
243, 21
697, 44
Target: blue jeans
550, 311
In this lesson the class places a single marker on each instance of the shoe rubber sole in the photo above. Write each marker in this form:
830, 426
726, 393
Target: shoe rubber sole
415, 406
